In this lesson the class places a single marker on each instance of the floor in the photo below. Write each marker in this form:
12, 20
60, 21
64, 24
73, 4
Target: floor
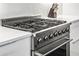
74, 34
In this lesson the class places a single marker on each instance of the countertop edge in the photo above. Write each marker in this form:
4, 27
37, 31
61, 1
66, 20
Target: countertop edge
10, 41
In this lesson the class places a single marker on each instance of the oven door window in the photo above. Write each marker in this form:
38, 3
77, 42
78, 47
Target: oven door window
58, 52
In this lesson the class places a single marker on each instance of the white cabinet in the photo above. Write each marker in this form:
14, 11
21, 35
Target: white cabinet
21, 47
74, 45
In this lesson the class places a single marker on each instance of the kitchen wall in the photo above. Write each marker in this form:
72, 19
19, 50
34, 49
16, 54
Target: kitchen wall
25, 9
71, 9
70, 12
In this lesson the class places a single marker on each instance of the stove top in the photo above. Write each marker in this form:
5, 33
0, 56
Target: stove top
34, 25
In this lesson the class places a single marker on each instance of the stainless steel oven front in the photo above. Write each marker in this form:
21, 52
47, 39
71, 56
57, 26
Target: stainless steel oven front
52, 42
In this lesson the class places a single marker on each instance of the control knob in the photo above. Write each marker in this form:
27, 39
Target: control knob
60, 32
50, 36
46, 37
55, 34
39, 40
64, 30
67, 29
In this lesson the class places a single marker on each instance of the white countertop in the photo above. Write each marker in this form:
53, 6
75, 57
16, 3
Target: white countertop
9, 34
68, 18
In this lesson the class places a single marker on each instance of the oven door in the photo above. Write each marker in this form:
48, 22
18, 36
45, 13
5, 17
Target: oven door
46, 50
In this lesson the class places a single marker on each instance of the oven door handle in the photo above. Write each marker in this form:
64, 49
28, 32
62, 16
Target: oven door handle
39, 54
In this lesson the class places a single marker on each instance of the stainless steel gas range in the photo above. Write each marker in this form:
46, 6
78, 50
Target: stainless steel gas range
51, 37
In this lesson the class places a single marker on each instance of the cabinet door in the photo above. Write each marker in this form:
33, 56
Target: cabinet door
74, 45
18, 48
